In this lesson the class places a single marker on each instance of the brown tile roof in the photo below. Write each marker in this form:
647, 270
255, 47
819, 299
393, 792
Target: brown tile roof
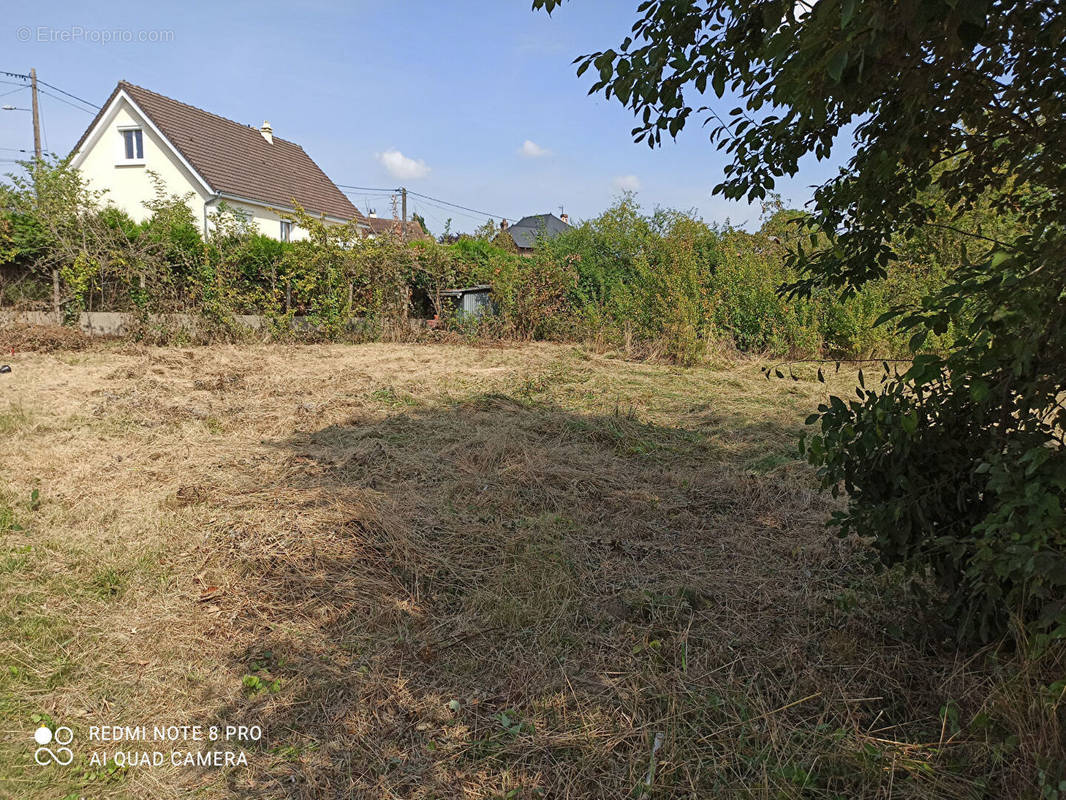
236, 159
386, 225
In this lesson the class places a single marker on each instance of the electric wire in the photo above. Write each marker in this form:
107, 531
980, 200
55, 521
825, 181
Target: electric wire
61, 100
68, 94
456, 205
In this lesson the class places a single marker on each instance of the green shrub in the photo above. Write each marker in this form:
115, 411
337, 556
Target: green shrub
664, 282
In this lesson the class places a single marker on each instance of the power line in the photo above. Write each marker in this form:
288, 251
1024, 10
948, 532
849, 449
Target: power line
61, 100
451, 209
50, 86
453, 212
354, 193
424, 197
367, 188
68, 94
456, 205
5, 94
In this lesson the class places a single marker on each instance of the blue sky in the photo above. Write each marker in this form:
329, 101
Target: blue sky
439, 96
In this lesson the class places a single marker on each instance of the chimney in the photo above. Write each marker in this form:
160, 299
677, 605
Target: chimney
267, 131
372, 214
565, 218
503, 224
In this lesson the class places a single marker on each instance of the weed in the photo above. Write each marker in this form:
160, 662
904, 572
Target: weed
109, 583
15, 419
254, 684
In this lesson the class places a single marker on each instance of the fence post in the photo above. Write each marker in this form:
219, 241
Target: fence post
55, 297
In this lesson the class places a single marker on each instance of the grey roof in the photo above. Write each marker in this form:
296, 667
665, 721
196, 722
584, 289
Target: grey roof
526, 230
481, 287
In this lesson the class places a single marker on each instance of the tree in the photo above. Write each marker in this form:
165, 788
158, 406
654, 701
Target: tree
957, 465
66, 232
421, 223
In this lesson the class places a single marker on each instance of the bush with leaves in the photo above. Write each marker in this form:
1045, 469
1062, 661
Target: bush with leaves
71, 237
957, 466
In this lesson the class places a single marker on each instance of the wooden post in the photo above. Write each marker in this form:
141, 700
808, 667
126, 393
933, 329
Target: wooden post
36, 165
403, 195
56, 310
36, 117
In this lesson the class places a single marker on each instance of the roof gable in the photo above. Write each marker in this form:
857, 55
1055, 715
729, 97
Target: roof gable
526, 230
235, 159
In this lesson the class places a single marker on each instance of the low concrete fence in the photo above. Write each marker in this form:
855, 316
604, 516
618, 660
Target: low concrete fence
115, 323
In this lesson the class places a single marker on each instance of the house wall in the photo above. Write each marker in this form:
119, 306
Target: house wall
129, 186
266, 220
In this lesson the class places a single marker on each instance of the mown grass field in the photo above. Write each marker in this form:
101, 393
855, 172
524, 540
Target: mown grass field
459, 572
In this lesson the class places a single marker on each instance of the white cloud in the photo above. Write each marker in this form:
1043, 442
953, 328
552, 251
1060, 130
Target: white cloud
531, 149
400, 166
627, 183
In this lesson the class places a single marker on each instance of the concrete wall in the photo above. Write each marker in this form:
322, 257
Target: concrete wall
113, 323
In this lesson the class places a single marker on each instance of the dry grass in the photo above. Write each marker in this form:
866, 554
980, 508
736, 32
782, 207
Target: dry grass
444, 571
26, 338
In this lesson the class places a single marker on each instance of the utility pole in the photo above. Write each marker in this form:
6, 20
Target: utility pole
36, 117
403, 203
56, 296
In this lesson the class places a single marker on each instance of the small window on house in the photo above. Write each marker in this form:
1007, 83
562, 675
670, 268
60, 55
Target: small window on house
133, 141
286, 230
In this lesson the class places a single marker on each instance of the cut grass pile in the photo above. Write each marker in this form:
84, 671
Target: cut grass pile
25, 337
443, 571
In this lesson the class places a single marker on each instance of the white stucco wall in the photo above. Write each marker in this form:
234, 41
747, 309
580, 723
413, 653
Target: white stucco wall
266, 220
129, 186
103, 165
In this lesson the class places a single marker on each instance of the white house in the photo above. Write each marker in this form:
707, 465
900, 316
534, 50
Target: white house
213, 158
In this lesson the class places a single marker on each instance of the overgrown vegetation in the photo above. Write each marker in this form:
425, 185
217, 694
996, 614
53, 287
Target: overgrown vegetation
956, 465
663, 283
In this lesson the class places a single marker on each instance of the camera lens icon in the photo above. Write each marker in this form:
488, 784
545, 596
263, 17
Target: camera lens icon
62, 754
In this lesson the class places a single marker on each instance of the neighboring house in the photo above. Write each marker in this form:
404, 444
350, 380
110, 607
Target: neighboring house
524, 233
382, 225
211, 157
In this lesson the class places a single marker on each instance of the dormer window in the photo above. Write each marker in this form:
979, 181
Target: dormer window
132, 144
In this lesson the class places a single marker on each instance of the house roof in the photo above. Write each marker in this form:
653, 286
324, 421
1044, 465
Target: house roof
389, 225
235, 159
526, 230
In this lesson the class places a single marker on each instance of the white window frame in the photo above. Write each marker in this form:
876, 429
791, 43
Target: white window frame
122, 160
286, 231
